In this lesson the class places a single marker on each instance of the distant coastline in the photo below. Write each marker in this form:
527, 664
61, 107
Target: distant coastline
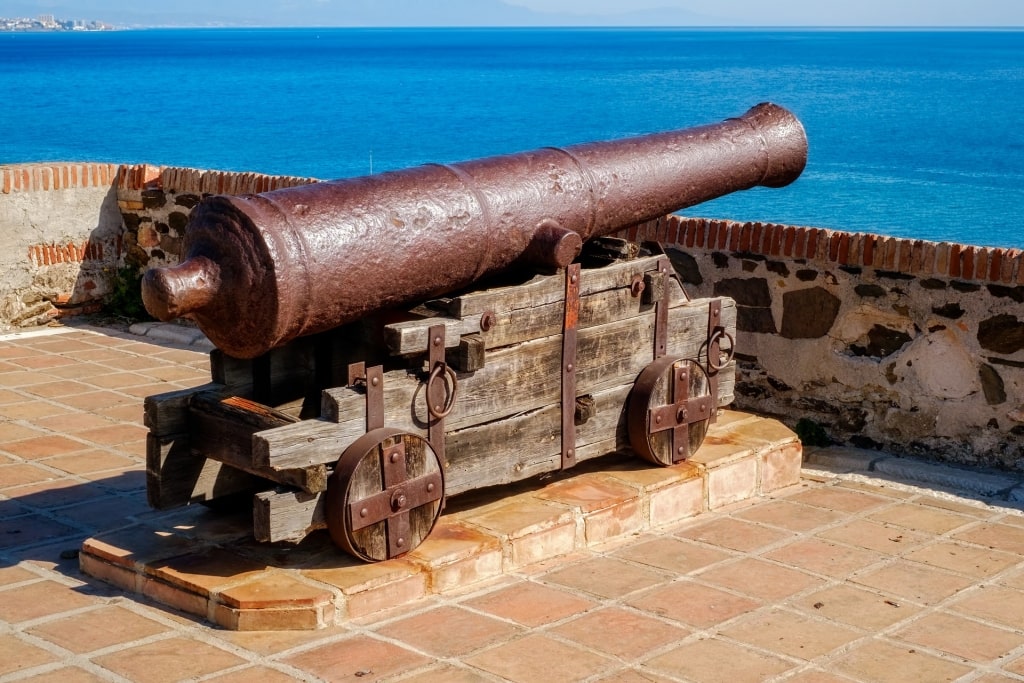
47, 22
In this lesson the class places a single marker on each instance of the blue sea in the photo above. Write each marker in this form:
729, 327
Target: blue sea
912, 133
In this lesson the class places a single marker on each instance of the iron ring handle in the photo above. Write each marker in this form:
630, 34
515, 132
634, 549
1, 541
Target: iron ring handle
718, 335
450, 401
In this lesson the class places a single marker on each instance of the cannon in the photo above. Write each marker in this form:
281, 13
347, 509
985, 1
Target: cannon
388, 341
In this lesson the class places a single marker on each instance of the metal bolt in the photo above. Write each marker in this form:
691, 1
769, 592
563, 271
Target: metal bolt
657, 419
400, 542
430, 487
437, 341
681, 450
568, 368
395, 457
375, 381
364, 512
570, 454
486, 321
573, 279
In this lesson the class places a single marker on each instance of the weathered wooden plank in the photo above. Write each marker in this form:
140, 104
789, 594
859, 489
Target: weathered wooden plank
306, 443
222, 430
605, 297
167, 414
176, 476
548, 289
527, 376
287, 515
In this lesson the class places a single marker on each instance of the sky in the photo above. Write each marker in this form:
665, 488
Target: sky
813, 12
923, 13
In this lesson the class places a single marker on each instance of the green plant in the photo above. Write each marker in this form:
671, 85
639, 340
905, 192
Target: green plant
125, 297
811, 433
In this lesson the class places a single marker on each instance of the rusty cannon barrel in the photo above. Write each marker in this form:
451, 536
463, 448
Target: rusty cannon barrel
260, 270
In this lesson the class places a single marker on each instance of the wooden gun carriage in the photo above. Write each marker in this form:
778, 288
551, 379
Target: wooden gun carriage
443, 376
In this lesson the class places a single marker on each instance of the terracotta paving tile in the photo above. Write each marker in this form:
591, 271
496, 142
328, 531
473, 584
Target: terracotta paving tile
269, 590
716, 661
71, 423
634, 675
114, 434
357, 657
960, 637
606, 577
883, 538
39, 362
19, 474
531, 604
693, 604
882, 662
172, 659
8, 396
447, 674
207, 571
28, 530
10, 431
962, 558
840, 500
15, 377
87, 461
856, 607
921, 518
822, 557
539, 659
992, 603
620, 632
1016, 666
979, 511
1014, 579
913, 581
31, 410
44, 447
35, 600
759, 579
790, 515
1003, 537
98, 400
816, 676
449, 631
135, 546
17, 655
140, 362
675, 555
68, 674
877, 488
61, 387
15, 574
267, 643
127, 479
118, 380
97, 629
251, 674
734, 534
50, 494
130, 412
791, 633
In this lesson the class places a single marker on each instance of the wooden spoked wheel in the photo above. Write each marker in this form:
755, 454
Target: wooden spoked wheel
669, 410
385, 494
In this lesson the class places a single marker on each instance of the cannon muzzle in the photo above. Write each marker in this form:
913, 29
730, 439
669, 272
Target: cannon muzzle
260, 270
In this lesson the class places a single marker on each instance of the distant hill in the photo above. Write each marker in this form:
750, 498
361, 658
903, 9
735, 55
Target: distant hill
341, 13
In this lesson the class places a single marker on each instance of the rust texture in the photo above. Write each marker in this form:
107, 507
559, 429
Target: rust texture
260, 270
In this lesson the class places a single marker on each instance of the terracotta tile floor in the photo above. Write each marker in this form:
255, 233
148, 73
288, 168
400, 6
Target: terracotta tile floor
837, 579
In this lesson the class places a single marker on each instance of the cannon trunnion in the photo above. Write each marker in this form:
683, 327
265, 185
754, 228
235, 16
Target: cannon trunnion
383, 343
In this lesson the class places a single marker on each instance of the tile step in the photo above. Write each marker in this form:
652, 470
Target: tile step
206, 563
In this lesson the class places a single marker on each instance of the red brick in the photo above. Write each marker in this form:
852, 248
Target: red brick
967, 263
995, 265
954, 260
713, 227
755, 240
746, 235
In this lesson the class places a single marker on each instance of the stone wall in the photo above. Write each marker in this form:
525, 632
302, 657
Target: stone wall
907, 346
60, 236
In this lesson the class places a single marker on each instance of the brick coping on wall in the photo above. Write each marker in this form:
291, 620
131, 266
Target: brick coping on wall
853, 250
